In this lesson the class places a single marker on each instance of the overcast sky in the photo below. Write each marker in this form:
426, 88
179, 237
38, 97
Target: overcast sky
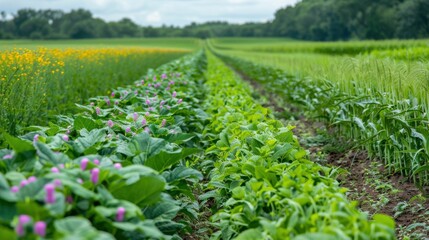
157, 12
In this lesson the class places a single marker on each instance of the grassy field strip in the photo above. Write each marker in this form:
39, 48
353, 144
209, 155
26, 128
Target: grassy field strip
262, 183
116, 170
38, 84
282, 45
189, 44
394, 130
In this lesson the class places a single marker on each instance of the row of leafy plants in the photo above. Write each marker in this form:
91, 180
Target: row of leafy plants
387, 127
261, 182
117, 169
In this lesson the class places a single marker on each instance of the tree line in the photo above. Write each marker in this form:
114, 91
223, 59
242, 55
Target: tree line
322, 20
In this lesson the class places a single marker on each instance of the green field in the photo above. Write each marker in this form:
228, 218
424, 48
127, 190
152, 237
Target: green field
172, 43
227, 138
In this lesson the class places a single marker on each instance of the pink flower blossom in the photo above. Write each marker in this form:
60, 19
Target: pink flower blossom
164, 76
144, 122
147, 114
36, 137
147, 102
23, 183
79, 180
84, 163
174, 94
55, 170
110, 123
117, 165
180, 101
113, 94
49, 193
98, 110
57, 182
40, 228
163, 122
107, 101
96, 161
69, 199
128, 129
8, 156
135, 116
120, 214
66, 138
32, 179
20, 227
95, 173
14, 189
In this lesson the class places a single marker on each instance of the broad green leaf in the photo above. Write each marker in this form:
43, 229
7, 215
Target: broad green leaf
47, 154
384, 219
145, 191
250, 234
81, 122
17, 144
164, 159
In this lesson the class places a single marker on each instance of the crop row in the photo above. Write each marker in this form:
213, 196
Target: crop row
117, 169
38, 84
262, 183
391, 128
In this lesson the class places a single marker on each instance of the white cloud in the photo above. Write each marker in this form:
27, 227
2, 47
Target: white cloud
157, 12
154, 17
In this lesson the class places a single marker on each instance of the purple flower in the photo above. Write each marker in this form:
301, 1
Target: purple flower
68, 131
163, 122
167, 88
79, 180
174, 94
116, 102
136, 92
168, 107
144, 122
95, 173
66, 138
147, 130
147, 102
84, 163
117, 165
22, 220
49, 193
55, 170
151, 109
98, 110
149, 85
162, 103
40, 228
23, 183
135, 116
36, 137
142, 82
14, 189
57, 182
180, 101
96, 161
107, 101
128, 129
32, 179
120, 214
113, 94
154, 78
8, 156
110, 123
62, 165
147, 114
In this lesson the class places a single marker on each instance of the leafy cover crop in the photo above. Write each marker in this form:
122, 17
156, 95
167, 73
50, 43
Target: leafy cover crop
264, 186
117, 169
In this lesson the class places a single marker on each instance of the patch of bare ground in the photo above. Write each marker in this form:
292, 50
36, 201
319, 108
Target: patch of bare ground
368, 181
